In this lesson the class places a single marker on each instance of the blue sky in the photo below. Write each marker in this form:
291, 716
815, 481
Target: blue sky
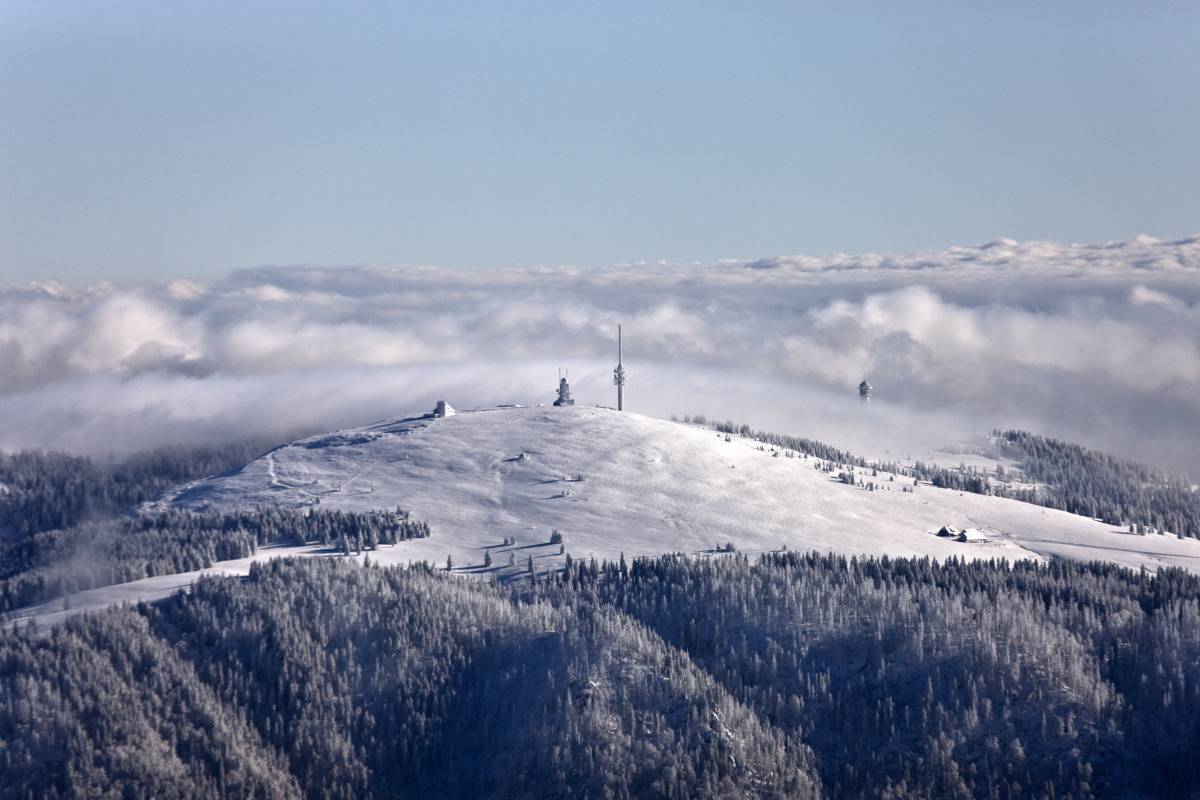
141, 141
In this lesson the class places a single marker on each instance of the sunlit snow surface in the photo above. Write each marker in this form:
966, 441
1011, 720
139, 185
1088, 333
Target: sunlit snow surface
616, 483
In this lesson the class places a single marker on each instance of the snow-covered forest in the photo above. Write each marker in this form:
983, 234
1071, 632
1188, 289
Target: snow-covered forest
787, 676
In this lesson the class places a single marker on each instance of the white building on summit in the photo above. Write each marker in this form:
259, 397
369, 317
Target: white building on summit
564, 393
443, 409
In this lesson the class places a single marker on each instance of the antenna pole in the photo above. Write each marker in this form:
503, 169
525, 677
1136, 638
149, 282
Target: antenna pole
619, 372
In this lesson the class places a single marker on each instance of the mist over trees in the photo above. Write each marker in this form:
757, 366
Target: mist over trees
67, 522
796, 675
62, 562
41, 491
1097, 484
1064, 476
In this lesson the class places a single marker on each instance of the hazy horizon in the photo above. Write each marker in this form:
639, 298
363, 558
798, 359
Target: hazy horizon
147, 141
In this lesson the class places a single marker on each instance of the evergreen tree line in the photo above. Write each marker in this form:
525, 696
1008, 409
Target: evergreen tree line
798, 443
48, 564
1068, 477
793, 675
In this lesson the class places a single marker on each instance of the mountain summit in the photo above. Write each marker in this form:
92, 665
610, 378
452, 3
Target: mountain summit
613, 483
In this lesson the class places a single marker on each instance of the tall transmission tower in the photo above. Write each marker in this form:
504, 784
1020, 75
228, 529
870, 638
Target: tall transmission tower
619, 375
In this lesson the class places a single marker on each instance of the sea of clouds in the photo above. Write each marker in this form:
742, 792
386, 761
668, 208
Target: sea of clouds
1093, 343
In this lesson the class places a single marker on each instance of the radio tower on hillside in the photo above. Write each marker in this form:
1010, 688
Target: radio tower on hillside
619, 375
864, 392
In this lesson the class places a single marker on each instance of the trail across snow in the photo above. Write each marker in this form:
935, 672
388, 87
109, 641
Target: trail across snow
645, 486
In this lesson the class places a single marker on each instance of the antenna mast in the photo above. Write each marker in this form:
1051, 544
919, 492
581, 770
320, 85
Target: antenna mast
619, 374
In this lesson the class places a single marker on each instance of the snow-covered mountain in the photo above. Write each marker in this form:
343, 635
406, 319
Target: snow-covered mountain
614, 482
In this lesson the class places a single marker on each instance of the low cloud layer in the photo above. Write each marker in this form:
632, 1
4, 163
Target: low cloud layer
1097, 343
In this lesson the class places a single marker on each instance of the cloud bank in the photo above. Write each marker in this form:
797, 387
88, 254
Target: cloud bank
1096, 343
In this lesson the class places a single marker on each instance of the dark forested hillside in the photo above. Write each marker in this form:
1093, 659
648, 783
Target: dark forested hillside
365, 682
793, 676
913, 679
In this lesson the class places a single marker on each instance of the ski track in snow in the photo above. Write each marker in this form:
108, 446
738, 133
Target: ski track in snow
649, 487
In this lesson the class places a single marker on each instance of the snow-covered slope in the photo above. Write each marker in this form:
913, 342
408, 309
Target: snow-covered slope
615, 483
